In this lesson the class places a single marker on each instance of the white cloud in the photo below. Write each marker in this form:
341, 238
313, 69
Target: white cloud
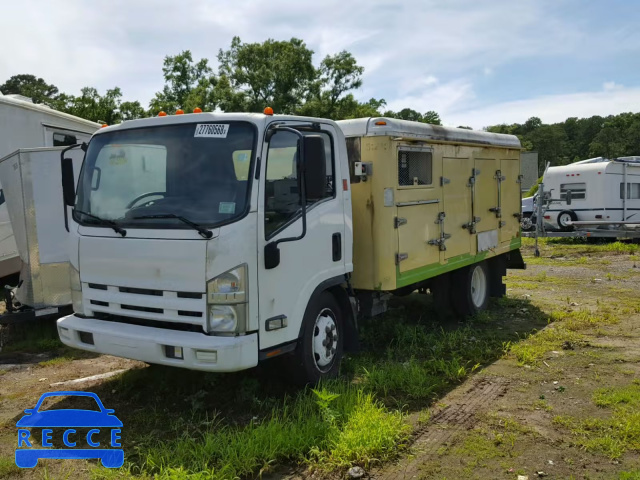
423, 54
550, 108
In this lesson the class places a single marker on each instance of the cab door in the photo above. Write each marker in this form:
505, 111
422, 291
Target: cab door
284, 291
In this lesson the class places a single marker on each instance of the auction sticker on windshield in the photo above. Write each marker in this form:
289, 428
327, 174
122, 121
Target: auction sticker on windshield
212, 130
61, 432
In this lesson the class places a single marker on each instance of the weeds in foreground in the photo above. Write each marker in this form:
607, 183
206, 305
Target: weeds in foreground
8, 467
331, 428
615, 435
563, 333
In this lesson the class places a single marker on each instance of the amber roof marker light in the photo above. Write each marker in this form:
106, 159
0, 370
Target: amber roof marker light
197, 110
162, 114
179, 112
268, 111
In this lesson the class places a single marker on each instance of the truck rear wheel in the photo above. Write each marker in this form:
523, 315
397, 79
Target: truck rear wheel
320, 347
470, 289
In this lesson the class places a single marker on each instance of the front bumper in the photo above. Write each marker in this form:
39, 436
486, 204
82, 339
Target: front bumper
148, 344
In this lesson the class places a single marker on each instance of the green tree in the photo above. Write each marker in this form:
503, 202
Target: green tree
132, 110
30, 86
252, 76
188, 84
430, 117
328, 97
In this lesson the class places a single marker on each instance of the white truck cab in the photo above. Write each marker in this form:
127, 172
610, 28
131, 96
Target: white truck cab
168, 236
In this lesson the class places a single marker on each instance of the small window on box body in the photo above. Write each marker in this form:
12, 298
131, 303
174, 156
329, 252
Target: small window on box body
578, 191
633, 191
414, 168
63, 139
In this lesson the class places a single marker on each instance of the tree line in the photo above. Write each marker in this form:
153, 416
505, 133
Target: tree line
281, 74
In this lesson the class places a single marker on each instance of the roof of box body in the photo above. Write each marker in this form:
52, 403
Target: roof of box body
361, 127
17, 101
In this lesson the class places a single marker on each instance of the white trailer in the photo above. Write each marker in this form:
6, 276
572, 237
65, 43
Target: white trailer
24, 124
600, 191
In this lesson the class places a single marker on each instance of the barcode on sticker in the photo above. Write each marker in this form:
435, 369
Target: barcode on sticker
212, 130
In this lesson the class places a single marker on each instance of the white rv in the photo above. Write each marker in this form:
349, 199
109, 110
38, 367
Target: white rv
24, 124
594, 190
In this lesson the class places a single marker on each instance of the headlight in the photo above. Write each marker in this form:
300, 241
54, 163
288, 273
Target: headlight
227, 302
76, 290
229, 287
227, 318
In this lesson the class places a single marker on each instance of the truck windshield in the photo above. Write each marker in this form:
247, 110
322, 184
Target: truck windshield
197, 171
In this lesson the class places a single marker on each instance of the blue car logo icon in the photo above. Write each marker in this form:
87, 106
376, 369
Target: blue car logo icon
69, 420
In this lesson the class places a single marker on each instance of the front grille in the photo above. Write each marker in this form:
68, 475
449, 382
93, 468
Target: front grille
151, 304
142, 309
141, 291
190, 295
183, 327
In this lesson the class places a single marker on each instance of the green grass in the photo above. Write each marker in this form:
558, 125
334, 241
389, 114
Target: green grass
616, 434
57, 361
564, 332
197, 425
8, 467
329, 429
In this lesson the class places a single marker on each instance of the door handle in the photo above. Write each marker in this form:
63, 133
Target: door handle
336, 244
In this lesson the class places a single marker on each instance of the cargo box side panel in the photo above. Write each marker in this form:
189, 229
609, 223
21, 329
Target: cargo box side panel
413, 237
486, 192
418, 200
374, 239
510, 199
457, 203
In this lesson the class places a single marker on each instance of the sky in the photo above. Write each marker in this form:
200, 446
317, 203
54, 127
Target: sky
475, 62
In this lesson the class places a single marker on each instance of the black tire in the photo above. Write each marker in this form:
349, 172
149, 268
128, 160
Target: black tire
563, 216
464, 299
307, 366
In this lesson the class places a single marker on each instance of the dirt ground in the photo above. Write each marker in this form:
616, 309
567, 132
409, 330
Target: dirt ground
502, 422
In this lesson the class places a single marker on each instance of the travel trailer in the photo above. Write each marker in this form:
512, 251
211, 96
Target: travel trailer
596, 190
24, 124
214, 241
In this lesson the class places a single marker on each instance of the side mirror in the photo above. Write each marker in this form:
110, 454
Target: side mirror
271, 255
315, 167
569, 195
68, 182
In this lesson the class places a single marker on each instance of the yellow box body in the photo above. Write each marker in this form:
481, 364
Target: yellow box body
396, 228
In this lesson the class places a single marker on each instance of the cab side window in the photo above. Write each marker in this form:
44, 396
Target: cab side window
282, 195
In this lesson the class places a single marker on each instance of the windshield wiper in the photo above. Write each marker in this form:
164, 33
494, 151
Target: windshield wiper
104, 221
204, 233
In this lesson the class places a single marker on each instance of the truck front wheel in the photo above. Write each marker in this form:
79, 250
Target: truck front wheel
320, 348
471, 289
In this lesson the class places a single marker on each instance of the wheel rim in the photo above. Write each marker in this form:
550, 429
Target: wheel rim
564, 219
325, 340
526, 223
478, 286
